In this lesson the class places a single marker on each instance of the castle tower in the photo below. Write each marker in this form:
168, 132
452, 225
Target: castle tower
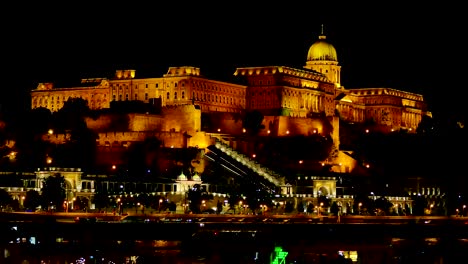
322, 58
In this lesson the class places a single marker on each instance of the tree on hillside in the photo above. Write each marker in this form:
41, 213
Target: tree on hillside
5, 199
53, 192
253, 122
71, 116
27, 130
32, 200
80, 149
101, 199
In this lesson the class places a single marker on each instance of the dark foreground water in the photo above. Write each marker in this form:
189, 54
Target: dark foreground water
241, 250
243, 244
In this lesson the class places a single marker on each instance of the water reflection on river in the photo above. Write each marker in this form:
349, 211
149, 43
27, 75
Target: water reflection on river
394, 250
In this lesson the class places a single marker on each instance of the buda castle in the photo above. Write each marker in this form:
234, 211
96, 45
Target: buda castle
293, 101
275, 91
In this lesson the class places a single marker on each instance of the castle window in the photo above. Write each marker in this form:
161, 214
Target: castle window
113, 97
183, 94
126, 97
175, 84
146, 85
175, 96
146, 96
157, 85
120, 97
167, 96
136, 96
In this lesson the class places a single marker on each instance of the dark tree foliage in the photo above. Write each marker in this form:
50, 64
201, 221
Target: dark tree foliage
27, 130
195, 196
419, 205
101, 200
32, 200
53, 192
288, 207
334, 209
300, 207
233, 199
144, 199
5, 198
324, 201
181, 161
80, 149
253, 122
71, 116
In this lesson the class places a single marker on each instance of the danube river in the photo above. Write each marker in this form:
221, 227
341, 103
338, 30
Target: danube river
232, 240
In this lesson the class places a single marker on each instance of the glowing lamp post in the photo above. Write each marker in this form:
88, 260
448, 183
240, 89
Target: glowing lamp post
119, 205
160, 201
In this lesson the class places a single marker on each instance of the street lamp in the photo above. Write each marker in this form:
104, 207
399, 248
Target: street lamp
119, 205
463, 213
240, 206
359, 206
160, 201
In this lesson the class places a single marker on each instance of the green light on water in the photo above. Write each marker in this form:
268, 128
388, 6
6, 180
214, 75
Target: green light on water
278, 256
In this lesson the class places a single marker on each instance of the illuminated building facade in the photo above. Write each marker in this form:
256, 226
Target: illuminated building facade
275, 91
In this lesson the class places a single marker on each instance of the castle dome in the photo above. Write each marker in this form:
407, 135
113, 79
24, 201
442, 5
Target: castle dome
321, 50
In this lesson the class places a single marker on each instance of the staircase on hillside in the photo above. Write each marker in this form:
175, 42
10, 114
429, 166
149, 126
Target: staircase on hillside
243, 166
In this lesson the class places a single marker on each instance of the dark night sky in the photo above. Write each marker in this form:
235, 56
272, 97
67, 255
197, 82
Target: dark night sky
414, 48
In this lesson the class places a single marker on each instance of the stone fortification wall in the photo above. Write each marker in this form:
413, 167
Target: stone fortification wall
285, 125
173, 118
124, 139
181, 118
146, 122
225, 123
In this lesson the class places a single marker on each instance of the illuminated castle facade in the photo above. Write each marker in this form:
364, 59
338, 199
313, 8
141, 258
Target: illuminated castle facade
278, 92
